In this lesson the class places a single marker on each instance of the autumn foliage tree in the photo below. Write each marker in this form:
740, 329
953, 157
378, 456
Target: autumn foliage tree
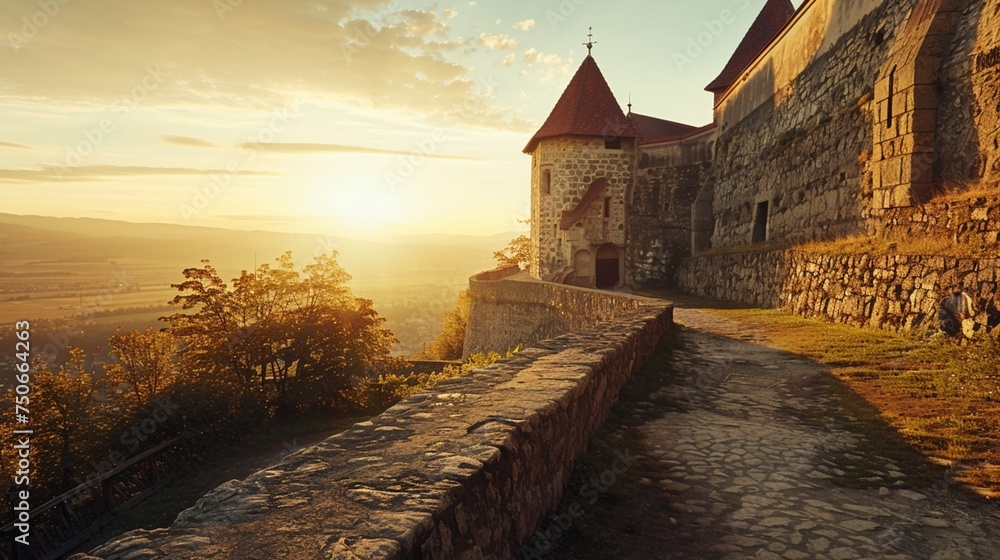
283, 339
450, 342
68, 417
517, 253
144, 366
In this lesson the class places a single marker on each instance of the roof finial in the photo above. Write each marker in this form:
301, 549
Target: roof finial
590, 41
630, 103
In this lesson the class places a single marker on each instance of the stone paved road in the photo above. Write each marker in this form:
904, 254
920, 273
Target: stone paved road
743, 456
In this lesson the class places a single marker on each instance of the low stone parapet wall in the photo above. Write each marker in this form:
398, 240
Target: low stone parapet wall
466, 470
510, 308
895, 292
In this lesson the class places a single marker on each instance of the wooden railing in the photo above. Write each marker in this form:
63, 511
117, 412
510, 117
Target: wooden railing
64, 522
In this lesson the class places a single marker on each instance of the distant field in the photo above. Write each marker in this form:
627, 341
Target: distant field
108, 273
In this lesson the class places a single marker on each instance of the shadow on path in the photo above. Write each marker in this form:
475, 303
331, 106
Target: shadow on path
723, 448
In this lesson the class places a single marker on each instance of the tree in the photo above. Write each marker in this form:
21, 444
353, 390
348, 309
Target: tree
450, 342
67, 419
144, 366
519, 252
278, 335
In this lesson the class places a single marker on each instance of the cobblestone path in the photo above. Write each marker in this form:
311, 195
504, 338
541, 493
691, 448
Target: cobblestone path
741, 452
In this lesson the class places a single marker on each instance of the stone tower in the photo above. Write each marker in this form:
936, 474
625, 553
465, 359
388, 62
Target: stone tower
582, 165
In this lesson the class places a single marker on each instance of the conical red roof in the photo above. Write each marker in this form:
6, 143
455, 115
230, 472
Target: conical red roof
586, 108
765, 28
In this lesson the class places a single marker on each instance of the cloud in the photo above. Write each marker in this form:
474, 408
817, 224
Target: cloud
312, 148
188, 141
525, 25
509, 60
84, 173
259, 57
533, 55
14, 146
450, 14
554, 72
498, 42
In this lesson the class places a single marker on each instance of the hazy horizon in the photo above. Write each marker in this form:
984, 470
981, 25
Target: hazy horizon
341, 117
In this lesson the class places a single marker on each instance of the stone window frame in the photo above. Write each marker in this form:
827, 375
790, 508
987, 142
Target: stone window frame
545, 180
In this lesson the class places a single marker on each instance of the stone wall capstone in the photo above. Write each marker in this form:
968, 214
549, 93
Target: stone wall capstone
466, 470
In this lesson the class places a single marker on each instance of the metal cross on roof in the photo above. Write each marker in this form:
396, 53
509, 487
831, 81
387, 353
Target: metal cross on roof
591, 42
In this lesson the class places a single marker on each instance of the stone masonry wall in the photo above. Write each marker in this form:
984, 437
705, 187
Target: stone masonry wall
972, 221
522, 311
804, 150
668, 180
573, 164
464, 471
968, 132
888, 292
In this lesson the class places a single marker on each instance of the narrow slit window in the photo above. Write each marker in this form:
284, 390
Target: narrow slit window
892, 92
760, 223
607, 207
546, 181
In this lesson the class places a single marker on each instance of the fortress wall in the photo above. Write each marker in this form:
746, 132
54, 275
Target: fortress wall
510, 309
797, 134
888, 292
467, 469
668, 179
974, 221
816, 30
659, 225
968, 131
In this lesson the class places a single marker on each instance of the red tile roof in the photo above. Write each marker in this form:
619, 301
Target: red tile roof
674, 138
654, 129
594, 192
765, 28
586, 108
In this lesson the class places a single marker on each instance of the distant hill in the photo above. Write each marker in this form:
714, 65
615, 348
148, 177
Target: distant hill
52, 267
406, 259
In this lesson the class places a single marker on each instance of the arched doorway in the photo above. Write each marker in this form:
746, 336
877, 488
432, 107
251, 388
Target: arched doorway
608, 266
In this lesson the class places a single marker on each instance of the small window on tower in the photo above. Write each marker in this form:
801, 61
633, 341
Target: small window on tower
614, 143
546, 181
607, 207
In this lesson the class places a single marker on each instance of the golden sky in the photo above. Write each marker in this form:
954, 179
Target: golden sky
351, 117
